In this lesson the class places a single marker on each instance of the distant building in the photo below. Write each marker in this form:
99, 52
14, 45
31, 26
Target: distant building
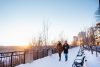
97, 13
82, 37
97, 27
75, 40
90, 31
97, 34
91, 36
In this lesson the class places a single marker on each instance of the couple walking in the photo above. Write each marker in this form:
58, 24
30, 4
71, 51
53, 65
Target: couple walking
61, 48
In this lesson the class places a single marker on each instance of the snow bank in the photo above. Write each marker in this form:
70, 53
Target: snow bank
92, 60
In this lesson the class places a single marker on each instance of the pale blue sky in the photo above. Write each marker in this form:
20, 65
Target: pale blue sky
20, 20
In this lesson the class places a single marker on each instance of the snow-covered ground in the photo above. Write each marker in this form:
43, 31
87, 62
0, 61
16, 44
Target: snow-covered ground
92, 60
52, 61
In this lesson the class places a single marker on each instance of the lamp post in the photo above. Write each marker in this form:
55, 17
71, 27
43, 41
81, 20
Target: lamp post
95, 30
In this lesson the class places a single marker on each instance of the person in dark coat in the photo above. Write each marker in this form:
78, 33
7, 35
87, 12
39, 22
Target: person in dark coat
65, 48
59, 49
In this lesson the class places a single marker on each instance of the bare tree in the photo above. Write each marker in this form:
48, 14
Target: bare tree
40, 40
45, 33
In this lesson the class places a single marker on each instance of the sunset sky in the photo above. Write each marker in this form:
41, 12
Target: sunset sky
22, 20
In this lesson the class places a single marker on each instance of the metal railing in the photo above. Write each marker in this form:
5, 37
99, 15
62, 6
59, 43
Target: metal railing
12, 59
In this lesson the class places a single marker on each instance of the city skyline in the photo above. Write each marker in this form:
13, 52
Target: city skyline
22, 20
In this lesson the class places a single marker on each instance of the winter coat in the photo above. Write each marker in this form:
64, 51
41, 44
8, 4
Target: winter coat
65, 48
59, 48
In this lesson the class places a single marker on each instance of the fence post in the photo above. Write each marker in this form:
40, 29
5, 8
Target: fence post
96, 52
33, 54
24, 56
37, 54
47, 52
52, 51
11, 59
43, 53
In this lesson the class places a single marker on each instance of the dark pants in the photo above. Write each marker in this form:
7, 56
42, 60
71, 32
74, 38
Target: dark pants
59, 56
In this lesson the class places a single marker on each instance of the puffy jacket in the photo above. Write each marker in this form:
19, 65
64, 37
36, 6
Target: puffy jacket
59, 48
65, 47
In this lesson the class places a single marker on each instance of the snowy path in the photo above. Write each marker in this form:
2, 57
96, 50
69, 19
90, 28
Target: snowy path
52, 61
